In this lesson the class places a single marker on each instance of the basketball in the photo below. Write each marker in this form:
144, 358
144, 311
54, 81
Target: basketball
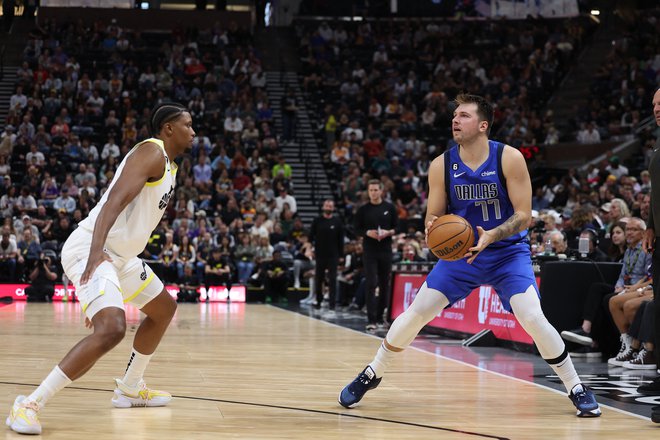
449, 237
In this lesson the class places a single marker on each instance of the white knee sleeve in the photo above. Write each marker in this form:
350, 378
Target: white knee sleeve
427, 305
527, 308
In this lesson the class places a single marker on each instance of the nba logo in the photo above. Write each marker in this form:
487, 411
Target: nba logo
408, 295
484, 301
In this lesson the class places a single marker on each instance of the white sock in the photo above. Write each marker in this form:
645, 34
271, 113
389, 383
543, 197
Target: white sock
135, 369
566, 372
382, 360
626, 339
51, 385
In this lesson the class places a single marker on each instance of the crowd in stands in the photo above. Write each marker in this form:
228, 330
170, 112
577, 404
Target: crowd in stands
83, 98
384, 94
619, 93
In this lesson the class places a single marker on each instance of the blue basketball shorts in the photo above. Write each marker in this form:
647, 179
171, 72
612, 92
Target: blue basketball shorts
508, 270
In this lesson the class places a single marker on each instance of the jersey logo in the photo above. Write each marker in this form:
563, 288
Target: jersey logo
458, 174
165, 199
386, 212
143, 275
488, 173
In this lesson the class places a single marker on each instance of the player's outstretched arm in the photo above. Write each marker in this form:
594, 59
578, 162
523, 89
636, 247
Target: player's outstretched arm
145, 163
519, 188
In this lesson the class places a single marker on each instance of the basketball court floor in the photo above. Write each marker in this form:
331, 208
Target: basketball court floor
264, 372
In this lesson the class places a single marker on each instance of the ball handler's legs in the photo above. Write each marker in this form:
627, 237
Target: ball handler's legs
427, 304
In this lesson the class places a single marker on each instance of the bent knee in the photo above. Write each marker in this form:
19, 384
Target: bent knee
111, 333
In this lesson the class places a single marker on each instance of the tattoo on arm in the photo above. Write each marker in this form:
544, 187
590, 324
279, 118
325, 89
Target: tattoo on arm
513, 225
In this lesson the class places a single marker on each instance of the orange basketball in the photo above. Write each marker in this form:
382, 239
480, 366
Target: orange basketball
450, 236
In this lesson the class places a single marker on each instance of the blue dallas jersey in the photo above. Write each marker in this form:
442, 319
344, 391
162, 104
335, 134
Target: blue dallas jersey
480, 196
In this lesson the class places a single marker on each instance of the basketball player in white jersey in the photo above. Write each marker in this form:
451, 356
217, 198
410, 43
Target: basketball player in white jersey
100, 258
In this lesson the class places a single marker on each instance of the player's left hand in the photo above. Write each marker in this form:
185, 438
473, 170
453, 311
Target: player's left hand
485, 238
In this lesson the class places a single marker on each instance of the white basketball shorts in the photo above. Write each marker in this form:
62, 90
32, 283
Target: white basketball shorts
124, 280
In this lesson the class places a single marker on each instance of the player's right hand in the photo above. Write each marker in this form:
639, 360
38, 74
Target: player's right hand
426, 229
95, 259
648, 241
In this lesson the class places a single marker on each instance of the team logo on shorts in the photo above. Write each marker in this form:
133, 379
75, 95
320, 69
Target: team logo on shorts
143, 275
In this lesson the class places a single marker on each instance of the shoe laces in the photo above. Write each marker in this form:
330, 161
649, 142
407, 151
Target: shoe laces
582, 395
641, 355
31, 405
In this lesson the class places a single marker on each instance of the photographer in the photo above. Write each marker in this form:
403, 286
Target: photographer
188, 285
42, 279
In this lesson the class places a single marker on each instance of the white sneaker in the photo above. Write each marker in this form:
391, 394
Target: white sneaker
330, 314
140, 395
23, 417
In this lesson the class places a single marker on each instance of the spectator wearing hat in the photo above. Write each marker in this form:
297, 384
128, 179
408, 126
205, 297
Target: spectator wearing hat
65, 201
26, 223
615, 168
285, 198
29, 251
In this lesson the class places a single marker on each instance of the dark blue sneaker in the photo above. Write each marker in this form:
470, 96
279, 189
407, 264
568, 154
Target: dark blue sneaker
354, 391
585, 401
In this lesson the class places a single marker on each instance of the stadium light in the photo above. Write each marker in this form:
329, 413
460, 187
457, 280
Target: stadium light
595, 12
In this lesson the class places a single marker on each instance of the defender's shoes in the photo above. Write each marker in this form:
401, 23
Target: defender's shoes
585, 401
140, 395
354, 391
23, 417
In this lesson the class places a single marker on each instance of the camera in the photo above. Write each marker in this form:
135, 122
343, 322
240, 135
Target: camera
539, 230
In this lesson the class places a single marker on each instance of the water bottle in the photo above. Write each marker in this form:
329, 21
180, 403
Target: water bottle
548, 247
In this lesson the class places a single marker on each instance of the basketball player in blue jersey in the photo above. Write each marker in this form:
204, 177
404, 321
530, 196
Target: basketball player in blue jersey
488, 184
100, 258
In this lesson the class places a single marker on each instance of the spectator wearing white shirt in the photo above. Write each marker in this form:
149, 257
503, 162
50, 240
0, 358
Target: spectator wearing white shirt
18, 99
589, 135
110, 149
326, 32
353, 128
616, 168
233, 124
286, 198
35, 153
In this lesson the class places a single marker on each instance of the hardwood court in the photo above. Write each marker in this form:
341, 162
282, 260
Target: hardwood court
255, 371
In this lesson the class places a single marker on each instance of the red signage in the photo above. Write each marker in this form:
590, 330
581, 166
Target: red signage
481, 309
214, 294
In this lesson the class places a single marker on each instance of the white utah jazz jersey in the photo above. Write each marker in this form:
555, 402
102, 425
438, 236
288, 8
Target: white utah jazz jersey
134, 225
